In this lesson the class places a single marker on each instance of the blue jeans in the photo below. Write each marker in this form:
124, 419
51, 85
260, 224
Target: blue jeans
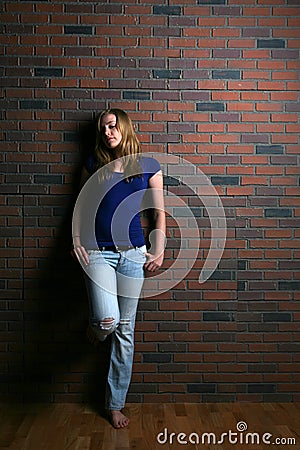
114, 282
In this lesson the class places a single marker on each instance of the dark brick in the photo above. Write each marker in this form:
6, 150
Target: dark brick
197, 212
165, 73
278, 398
225, 180
269, 149
211, 2
174, 127
34, 104
284, 160
249, 233
289, 285
226, 53
167, 10
79, 51
181, 212
172, 326
201, 388
164, 31
219, 337
78, 29
210, 106
149, 388
156, 357
184, 21
254, 138
226, 11
70, 136
256, 32
262, 327
278, 212
218, 398
270, 43
173, 347
226, 74
293, 107
102, 8
285, 54
48, 72
48, 179
268, 191
290, 347
277, 317
289, 265
241, 286
164, 137
217, 317
226, 117
262, 368
222, 275
136, 95
170, 181
262, 388
172, 368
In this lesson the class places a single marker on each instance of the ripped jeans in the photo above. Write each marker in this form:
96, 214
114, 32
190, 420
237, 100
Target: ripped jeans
114, 282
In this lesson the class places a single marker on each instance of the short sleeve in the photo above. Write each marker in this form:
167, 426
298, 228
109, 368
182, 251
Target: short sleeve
150, 166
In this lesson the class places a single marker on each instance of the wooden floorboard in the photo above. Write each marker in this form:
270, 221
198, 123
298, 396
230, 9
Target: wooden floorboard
80, 427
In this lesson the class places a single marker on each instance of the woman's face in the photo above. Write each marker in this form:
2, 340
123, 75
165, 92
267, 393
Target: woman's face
111, 135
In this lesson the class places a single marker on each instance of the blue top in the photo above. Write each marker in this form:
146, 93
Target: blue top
118, 215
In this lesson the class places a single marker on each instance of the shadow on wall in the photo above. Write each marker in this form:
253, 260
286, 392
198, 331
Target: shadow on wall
58, 363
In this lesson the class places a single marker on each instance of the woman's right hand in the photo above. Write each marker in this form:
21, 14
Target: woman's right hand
80, 253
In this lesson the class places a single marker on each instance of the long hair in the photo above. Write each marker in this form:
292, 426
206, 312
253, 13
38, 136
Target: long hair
129, 148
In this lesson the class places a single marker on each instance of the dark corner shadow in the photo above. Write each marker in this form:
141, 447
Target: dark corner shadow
60, 365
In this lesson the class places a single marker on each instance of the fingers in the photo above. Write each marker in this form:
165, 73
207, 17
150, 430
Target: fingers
81, 254
153, 263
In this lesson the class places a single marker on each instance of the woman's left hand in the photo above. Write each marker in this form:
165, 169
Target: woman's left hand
153, 262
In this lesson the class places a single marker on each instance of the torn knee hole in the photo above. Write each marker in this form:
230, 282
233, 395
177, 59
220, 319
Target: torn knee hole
125, 321
107, 324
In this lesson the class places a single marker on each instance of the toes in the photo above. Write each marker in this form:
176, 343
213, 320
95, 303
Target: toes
118, 420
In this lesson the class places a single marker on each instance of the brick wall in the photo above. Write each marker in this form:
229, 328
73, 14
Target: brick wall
215, 81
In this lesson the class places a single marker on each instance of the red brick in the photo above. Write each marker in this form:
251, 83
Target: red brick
211, 84
256, 54
36, 142
241, 85
271, 86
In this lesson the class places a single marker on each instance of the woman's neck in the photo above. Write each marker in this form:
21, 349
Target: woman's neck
118, 166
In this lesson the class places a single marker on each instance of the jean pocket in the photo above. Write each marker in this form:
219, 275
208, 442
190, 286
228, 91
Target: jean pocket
95, 257
137, 255
141, 250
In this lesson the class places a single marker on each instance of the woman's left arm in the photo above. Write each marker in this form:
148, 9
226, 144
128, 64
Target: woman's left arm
158, 235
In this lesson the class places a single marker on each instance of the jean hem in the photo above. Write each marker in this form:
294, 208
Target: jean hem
112, 408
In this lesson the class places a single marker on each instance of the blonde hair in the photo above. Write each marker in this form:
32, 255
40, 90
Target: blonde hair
129, 148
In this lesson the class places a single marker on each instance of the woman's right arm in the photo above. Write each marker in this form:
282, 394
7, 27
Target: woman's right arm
78, 250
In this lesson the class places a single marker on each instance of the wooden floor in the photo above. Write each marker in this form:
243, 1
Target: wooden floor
80, 427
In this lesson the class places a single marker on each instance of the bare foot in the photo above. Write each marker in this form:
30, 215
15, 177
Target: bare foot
118, 420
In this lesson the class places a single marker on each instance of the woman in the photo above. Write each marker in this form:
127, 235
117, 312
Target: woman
114, 271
